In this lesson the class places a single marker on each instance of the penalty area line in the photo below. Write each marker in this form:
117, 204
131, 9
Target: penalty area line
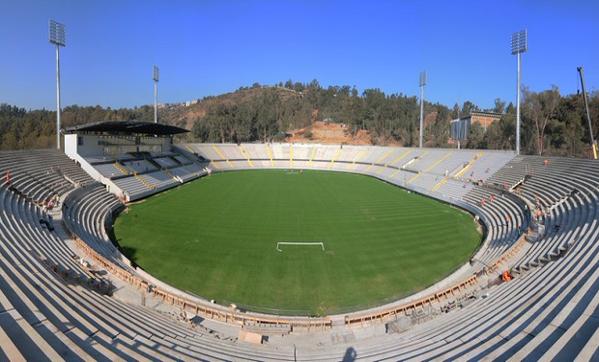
299, 243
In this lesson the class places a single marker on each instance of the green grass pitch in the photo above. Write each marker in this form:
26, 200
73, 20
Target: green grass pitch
216, 238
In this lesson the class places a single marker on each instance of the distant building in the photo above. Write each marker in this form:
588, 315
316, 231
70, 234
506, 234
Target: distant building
484, 118
461, 127
458, 130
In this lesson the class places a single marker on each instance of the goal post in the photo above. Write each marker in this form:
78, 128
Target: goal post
299, 243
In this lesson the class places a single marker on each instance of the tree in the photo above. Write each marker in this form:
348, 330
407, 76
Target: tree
455, 112
439, 133
263, 113
499, 106
476, 136
539, 108
469, 107
593, 100
500, 134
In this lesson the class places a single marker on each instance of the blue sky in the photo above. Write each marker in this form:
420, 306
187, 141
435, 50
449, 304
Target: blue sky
211, 47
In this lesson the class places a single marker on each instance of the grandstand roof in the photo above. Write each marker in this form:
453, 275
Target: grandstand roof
127, 127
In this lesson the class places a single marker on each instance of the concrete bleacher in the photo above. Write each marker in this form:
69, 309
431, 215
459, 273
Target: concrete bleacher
85, 212
436, 170
550, 310
139, 166
43, 173
45, 316
111, 171
138, 175
166, 162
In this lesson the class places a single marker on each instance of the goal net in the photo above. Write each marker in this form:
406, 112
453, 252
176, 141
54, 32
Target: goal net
281, 244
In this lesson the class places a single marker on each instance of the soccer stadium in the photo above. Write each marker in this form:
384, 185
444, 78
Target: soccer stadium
292, 221
294, 251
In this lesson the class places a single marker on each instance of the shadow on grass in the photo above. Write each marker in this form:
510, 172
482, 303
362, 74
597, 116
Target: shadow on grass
130, 254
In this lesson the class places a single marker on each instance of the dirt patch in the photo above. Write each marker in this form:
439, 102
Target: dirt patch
329, 133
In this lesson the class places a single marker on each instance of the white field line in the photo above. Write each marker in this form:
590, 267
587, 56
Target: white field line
300, 243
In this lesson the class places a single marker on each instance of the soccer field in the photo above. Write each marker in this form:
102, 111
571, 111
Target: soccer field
217, 238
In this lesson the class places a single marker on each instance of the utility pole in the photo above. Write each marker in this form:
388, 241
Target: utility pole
586, 106
57, 37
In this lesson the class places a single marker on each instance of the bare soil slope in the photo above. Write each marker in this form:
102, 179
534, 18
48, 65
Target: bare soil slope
329, 133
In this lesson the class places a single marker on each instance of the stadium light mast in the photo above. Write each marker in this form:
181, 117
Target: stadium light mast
519, 46
155, 77
586, 106
56, 37
422, 84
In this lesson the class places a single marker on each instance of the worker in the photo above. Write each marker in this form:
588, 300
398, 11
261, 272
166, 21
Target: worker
8, 178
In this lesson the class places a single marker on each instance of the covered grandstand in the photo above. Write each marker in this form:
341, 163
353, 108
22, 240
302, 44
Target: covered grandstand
71, 294
133, 159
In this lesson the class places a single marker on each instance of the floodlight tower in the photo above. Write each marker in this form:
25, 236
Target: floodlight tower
422, 84
155, 77
586, 106
519, 46
56, 37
